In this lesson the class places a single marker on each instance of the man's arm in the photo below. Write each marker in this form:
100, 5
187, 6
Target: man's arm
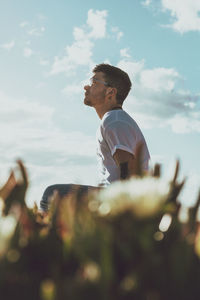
126, 161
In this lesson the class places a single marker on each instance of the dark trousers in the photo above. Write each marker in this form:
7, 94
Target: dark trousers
64, 190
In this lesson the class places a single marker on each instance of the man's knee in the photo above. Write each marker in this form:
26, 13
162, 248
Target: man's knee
62, 189
48, 193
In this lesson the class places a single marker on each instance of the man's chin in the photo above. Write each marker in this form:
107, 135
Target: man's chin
87, 102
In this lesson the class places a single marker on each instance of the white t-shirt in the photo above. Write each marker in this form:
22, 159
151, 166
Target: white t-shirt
117, 130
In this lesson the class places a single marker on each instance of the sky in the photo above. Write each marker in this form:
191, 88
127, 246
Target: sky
47, 52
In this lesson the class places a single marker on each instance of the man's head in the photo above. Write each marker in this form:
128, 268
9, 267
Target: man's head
108, 82
116, 78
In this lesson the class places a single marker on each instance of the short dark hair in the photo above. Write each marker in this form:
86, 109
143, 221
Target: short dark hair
117, 78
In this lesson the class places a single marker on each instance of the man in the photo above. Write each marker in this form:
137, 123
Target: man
118, 136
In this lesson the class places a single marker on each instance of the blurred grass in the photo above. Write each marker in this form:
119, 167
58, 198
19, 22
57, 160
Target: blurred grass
77, 252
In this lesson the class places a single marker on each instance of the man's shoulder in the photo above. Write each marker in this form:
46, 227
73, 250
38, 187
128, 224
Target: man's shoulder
117, 117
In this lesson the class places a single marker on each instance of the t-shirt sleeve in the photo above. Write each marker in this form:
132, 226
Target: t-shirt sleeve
120, 135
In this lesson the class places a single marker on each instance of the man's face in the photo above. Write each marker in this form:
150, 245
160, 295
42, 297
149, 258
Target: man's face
95, 92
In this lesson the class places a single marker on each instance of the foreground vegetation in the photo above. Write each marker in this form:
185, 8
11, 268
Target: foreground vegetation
126, 242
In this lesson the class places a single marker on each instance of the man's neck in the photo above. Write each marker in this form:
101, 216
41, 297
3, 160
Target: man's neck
102, 110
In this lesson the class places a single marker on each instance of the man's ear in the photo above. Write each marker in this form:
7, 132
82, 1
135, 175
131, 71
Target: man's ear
112, 91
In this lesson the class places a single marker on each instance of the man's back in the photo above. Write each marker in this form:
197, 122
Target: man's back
118, 131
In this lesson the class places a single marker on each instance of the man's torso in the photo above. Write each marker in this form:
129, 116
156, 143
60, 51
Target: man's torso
117, 130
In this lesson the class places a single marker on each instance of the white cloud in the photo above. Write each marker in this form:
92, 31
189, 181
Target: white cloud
33, 30
73, 89
184, 13
8, 46
97, 22
133, 68
159, 79
28, 52
79, 53
32, 122
12, 108
146, 2
79, 34
185, 124
180, 124
157, 100
124, 53
37, 31
117, 33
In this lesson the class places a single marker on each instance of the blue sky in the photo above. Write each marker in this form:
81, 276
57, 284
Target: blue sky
47, 52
